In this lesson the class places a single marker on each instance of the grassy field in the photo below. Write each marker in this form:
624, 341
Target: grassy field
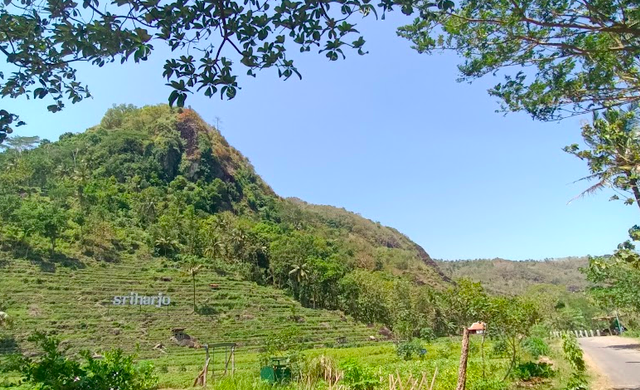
177, 371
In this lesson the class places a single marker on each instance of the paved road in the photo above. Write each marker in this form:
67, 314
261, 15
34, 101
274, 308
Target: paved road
617, 358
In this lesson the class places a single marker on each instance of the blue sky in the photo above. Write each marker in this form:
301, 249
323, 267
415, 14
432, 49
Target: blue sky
392, 136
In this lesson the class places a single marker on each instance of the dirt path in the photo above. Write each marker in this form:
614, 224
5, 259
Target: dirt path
617, 358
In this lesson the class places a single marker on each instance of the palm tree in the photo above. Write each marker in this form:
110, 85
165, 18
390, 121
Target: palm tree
298, 274
192, 271
215, 247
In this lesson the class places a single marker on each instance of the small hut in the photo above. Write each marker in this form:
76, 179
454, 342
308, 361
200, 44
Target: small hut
477, 328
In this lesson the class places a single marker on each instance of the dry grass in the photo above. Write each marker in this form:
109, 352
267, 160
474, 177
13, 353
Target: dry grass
597, 379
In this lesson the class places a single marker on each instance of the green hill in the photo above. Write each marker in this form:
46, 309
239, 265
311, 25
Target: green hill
515, 277
136, 202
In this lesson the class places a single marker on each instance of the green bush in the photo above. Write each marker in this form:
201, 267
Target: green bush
577, 382
573, 354
527, 371
427, 334
357, 377
408, 349
500, 347
55, 371
536, 347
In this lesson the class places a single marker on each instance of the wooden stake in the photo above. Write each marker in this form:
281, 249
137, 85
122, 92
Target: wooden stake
201, 379
433, 381
462, 371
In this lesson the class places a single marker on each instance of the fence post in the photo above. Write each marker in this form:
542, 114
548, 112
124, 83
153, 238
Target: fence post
462, 371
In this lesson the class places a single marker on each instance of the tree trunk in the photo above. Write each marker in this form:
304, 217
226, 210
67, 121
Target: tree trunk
462, 371
193, 276
636, 190
514, 355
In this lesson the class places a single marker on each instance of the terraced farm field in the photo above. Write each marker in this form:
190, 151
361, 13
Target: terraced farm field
76, 303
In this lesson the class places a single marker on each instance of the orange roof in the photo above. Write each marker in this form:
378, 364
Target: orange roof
477, 326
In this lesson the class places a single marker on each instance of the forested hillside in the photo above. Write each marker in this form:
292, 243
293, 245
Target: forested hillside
154, 199
515, 277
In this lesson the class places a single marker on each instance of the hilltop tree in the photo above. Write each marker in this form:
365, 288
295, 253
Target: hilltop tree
43, 41
20, 144
558, 58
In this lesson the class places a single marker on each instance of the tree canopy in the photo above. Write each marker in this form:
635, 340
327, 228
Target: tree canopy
558, 58
612, 153
43, 42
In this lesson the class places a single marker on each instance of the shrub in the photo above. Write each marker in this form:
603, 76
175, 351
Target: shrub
536, 347
427, 334
573, 354
357, 377
527, 371
408, 349
577, 382
55, 371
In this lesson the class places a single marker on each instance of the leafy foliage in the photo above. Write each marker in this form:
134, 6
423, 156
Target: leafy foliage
574, 356
573, 352
570, 57
409, 349
43, 41
614, 278
55, 371
536, 346
527, 371
612, 153
358, 377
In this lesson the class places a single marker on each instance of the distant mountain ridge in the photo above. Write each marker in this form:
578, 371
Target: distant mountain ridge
514, 277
